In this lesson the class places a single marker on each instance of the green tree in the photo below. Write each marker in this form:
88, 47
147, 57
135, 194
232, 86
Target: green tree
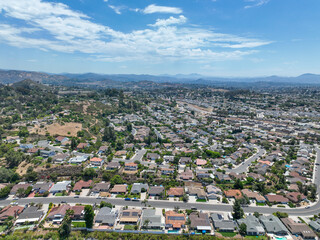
13, 158
116, 179
237, 210
73, 144
89, 173
243, 229
238, 184
88, 215
65, 227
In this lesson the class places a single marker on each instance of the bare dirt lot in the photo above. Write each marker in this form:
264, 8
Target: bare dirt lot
58, 129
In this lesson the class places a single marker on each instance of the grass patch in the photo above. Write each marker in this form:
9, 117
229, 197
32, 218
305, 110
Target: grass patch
281, 206
260, 204
256, 237
201, 200
59, 194
2, 228
78, 224
228, 234
128, 227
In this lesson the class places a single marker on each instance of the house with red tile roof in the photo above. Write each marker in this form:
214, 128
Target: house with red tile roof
175, 220
10, 211
96, 161
82, 184
233, 193
274, 198
175, 192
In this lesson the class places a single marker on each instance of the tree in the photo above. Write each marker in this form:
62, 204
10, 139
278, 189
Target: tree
185, 198
243, 229
4, 192
73, 143
237, 210
146, 223
88, 215
23, 132
13, 158
116, 180
65, 227
238, 184
256, 214
105, 204
89, 173
281, 214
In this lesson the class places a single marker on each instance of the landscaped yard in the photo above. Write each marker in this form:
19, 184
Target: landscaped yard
228, 234
78, 224
2, 228
260, 204
201, 200
256, 238
129, 227
58, 194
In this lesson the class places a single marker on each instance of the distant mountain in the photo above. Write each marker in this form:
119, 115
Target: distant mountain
141, 81
12, 76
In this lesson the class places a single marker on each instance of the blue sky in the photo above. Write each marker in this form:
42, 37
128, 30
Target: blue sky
209, 37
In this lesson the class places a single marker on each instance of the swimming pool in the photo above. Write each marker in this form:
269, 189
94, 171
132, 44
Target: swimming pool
280, 238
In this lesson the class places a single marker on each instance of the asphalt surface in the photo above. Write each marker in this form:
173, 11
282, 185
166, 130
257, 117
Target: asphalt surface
313, 209
245, 165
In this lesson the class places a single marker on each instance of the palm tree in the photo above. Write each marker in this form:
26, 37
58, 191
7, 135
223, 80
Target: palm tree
146, 223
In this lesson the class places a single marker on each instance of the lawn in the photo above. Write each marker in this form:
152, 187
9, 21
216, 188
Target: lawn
58, 194
129, 227
78, 224
228, 234
2, 228
256, 237
260, 204
201, 200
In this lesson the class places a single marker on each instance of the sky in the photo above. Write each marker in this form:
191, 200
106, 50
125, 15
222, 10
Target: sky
227, 38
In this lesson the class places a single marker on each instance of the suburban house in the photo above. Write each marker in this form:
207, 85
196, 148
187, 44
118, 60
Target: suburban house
233, 193
150, 220
175, 192
167, 171
153, 156
156, 190
57, 213
130, 166
222, 225
60, 187
273, 225
82, 146
21, 185
78, 159
119, 189
295, 197
130, 216
101, 187
274, 198
139, 187
175, 220
10, 211
253, 195
200, 222
186, 176
30, 215
61, 139
254, 227
82, 184
298, 228
96, 161
42, 187
113, 166
106, 216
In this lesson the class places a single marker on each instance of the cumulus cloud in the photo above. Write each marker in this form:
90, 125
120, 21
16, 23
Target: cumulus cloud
116, 9
65, 30
161, 9
170, 21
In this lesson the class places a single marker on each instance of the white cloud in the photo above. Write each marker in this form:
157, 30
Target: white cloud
65, 30
161, 9
256, 3
116, 9
169, 21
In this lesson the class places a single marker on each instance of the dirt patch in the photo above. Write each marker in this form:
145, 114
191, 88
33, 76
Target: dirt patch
22, 168
58, 129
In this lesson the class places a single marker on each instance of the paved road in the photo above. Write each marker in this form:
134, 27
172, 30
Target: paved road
314, 209
244, 166
139, 155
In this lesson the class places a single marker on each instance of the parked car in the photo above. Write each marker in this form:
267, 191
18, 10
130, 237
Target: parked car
127, 199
